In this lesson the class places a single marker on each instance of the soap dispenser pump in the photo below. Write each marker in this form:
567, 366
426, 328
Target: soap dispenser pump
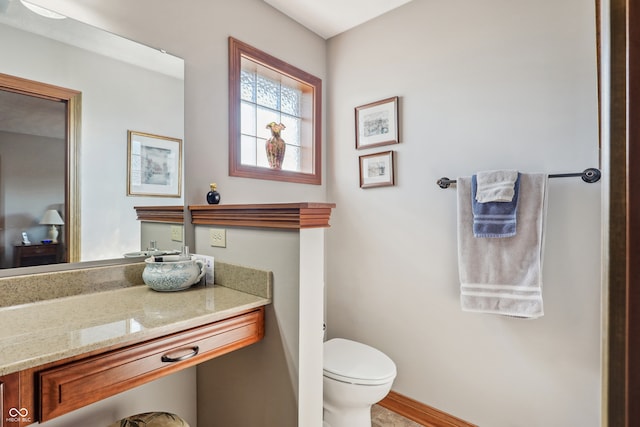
213, 197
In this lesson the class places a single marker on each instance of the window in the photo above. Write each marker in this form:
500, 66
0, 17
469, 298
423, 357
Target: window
263, 90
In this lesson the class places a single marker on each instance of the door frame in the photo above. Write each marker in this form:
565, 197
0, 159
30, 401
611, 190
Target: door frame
621, 253
72, 99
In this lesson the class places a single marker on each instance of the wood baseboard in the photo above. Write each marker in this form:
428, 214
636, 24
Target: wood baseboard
421, 413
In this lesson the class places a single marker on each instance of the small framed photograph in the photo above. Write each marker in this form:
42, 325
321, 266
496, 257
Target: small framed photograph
377, 124
154, 166
376, 170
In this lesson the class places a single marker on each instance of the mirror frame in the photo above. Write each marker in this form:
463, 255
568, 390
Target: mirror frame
73, 100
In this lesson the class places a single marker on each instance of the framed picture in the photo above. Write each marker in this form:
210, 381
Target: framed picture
377, 124
376, 170
154, 165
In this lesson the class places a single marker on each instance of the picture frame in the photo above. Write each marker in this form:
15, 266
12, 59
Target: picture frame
154, 165
377, 124
377, 169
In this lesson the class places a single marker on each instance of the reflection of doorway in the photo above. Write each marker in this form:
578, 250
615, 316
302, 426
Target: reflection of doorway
70, 100
2, 233
32, 169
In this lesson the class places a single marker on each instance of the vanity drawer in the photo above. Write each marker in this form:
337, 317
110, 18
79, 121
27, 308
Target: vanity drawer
74, 385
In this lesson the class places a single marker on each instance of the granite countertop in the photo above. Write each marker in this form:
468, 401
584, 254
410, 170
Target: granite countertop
40, 332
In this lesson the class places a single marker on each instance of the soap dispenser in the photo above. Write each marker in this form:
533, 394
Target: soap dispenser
213, 197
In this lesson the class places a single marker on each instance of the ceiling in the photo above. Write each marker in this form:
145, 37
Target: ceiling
32, 116
328, 18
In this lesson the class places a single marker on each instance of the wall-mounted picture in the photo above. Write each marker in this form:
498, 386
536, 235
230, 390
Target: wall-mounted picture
376, 170
154, 165
377, 123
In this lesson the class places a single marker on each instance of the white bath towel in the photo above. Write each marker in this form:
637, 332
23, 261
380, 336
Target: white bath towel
496, 186
504, 276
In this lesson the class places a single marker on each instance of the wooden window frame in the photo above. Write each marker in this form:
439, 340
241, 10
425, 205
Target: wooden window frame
237, 51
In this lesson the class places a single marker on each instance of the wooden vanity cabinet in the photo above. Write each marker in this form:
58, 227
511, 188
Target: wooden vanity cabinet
10, 399
64, 386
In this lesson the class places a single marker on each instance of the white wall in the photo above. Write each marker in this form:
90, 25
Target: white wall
257, 386
161, 233
116, 97
482, 85
279, 378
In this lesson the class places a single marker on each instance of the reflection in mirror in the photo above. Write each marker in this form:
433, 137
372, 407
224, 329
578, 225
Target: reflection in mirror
32, 177
123, 86
25, 148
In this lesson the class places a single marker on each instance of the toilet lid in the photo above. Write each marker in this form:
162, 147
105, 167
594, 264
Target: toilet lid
357, 363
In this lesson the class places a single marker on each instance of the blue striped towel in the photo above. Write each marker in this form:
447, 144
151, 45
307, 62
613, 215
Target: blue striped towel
494, 219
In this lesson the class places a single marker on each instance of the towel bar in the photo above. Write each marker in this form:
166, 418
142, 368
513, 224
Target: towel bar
590, 176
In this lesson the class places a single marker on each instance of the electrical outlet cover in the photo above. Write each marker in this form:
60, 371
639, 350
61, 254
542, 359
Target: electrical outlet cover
176, 233
218, 237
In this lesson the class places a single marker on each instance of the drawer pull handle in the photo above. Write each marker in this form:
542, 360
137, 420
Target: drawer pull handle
194, 350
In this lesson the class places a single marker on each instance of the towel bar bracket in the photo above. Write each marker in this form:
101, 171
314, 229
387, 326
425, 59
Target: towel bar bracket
445, 182
589, 175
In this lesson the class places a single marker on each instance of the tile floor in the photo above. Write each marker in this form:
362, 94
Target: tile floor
382, 417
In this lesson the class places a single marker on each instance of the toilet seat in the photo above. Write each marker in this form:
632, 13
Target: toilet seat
356, 363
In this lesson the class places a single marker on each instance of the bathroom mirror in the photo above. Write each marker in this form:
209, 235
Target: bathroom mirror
80, 167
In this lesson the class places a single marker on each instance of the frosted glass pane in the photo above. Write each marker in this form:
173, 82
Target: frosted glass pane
247, 86
248, 150
268, 93
266, 116
248, 118
292, 130
290, 101
291, 160
264, 100
261, 153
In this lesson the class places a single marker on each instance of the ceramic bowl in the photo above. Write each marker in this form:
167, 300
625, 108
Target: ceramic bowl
172, 273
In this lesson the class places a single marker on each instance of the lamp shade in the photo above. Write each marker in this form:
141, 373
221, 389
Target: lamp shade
51, 217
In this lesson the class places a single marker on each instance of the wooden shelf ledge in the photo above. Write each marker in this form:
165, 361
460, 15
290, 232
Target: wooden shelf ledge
276, 215
161, 213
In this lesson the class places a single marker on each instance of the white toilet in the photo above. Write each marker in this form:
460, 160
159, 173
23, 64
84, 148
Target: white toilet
355, 376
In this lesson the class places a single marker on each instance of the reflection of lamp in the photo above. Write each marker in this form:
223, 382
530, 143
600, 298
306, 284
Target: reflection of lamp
41, 10
52, 218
